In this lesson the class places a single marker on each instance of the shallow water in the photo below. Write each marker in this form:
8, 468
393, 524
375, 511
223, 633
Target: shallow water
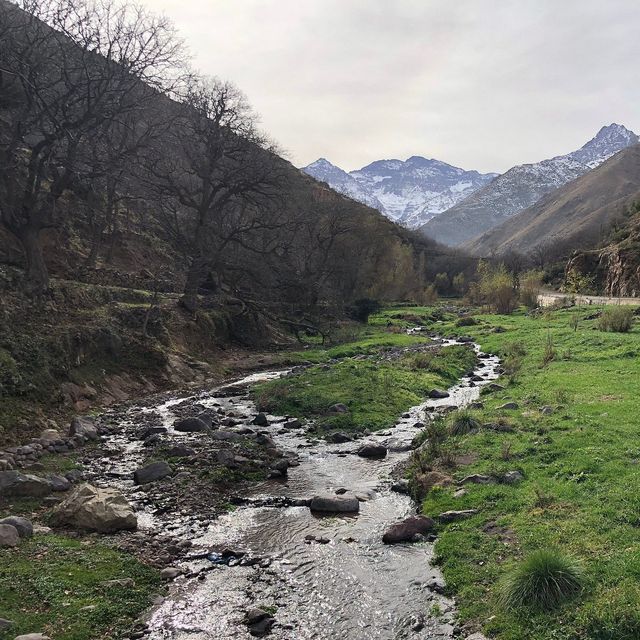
352, 588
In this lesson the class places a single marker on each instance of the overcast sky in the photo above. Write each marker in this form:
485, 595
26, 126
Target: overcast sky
482, 84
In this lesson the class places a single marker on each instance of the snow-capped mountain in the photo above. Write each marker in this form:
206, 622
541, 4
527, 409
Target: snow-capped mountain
409, 192
522, 186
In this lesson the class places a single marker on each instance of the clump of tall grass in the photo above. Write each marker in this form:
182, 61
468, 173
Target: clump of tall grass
543, 580
616, 319
462, 422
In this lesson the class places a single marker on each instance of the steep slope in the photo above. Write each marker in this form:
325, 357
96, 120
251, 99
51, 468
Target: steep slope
522, 186
409, 192
577, 213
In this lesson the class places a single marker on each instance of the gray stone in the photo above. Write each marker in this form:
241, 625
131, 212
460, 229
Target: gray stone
546, 410
438, 394
152, 472
454, 516
228, 436
190, 425
94, 509
509, 406
372, 450
339, 407
170, 573
512, 477
260, 420
5, 624
338, 437
405, 530
476, 478
181, 451
58, 483
50, 435
23, 526
14, 483
84, 426
335, 504
32, 636
9, 536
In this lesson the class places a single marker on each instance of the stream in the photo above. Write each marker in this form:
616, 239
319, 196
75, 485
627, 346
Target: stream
347, 586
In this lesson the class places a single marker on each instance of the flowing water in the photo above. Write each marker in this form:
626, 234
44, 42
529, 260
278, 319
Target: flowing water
349, 587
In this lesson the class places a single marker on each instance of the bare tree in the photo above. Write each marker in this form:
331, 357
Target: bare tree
219, 186
74, 68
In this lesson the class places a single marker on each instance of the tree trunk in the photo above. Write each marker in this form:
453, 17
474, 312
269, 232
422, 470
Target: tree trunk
37, 275
195, 277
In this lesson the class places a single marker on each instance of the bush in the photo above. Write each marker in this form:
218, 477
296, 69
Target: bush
530, 285
616, 319
543, 580
361, 309
462, 422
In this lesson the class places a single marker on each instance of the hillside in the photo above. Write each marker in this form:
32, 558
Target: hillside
577, 214
409, 192
522, 186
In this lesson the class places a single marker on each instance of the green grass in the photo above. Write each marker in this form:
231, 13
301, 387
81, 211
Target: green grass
581, 487
47, 581
375, 390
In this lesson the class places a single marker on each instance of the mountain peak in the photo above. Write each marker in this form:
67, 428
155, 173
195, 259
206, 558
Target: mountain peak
606, 143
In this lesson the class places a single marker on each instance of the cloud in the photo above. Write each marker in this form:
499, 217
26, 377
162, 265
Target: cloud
483, 85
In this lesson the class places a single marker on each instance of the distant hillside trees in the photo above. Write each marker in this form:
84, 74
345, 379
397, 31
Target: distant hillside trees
79, 74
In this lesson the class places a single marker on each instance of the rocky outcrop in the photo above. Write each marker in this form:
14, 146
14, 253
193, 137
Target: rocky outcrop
94, 509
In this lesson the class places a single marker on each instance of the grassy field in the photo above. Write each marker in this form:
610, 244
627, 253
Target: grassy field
376, 388
581, 464
59, 587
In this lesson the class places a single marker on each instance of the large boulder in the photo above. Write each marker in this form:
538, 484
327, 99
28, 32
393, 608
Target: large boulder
49, 436
8, 536
152, 472
14, 483
22, 525
94, 509
190, 425
335, 504
84, 426
437, 394
406, 530
372, 450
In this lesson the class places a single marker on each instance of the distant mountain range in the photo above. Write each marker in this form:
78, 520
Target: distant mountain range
409, 192
522, 186
576, 215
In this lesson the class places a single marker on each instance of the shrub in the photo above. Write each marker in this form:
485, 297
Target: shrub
616, 319
462, 422
530, 285
423, 360
549, 351
543, 580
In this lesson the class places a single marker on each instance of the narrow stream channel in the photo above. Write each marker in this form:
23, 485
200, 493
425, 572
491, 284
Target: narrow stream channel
349, 587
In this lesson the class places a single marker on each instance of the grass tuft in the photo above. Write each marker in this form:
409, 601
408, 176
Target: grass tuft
543, 581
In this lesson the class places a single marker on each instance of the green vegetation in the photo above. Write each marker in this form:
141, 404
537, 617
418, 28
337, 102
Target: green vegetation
616, 319
543, 580
66, 595
377, 389
580, 492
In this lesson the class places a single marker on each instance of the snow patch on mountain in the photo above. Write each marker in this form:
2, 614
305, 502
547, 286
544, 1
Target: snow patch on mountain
409, 192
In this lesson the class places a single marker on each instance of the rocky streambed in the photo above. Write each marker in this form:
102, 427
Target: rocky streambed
298, 554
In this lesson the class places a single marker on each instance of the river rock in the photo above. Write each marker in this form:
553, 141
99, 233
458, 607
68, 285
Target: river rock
397, 445
401, 486
22, 525
180, 451
259, 622
190, 425
494, 386
102, 510
14, 483
454, 516
49, 436
335, 504
9, 536
84, 426
59, 483
405, 530
372, 450
152, 431
260, 420
338, 437
152, 472
226, 436
170, 573
292, 424
438, 393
